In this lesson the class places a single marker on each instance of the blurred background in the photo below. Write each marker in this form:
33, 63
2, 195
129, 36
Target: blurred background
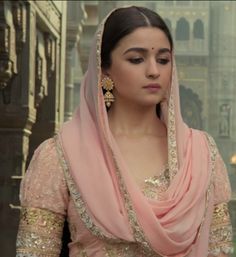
44, 47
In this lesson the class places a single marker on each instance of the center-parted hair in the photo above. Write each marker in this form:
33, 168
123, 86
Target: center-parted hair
124, 21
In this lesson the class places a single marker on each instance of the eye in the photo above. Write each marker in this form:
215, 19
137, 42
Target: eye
136, 60
163, 61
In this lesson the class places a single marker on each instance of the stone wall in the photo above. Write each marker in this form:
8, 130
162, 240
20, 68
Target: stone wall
32, 54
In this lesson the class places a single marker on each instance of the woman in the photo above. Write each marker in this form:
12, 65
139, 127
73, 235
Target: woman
130, 177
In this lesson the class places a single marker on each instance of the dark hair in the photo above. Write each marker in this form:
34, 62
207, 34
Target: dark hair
124, 21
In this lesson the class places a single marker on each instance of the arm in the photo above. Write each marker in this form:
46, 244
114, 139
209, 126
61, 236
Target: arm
221, 234
220, 241
39, 233
44, 199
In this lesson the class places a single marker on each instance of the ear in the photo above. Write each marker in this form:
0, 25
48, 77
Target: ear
105, 73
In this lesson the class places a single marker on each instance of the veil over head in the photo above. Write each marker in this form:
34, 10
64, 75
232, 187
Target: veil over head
108, 200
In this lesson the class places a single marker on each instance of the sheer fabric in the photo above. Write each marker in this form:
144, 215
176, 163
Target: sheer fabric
108, 214
46, 203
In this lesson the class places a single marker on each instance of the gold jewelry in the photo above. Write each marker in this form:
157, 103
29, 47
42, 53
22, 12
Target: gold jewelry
108, 85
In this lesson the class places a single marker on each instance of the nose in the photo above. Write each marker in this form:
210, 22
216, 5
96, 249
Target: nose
152, 70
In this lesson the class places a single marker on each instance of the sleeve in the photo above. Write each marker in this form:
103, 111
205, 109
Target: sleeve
221, 234
222, 188
44, 198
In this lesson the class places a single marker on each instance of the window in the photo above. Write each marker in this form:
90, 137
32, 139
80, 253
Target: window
182, 30
198, 29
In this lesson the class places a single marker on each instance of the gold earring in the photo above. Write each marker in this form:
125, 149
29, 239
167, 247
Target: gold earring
108, 85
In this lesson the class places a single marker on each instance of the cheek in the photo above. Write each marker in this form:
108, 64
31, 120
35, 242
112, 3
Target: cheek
121, 75
168, 75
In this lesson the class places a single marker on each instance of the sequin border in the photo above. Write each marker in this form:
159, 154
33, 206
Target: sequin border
136, 228
213, 152
138, 233
77, 198
172, 146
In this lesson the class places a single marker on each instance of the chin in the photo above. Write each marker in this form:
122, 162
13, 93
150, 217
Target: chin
153, 101
149, 104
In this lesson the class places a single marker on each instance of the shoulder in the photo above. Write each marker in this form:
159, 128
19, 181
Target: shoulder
44, 183
46, 149
205, 135
222, 188
45, 160
45, 155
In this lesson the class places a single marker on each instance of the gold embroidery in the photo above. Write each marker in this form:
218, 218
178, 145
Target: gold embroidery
39, 233
138, 234
77, 198
137, 231
123, 250
221, 233
80, 206
213, 153
81, 250
172, 146
220, 215
155, 186
136, 228
98, 48
221, 229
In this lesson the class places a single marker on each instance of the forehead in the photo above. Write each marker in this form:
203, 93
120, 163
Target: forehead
146, 37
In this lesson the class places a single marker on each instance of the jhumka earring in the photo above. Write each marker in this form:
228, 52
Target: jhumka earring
108, 85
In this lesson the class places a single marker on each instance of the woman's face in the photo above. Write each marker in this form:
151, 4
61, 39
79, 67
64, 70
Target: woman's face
141, 67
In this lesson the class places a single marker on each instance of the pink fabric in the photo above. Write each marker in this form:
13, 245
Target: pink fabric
171, 226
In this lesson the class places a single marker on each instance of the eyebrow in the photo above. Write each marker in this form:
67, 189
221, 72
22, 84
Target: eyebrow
144, 50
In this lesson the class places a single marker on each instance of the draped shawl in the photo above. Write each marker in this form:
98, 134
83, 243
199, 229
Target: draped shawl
108, 200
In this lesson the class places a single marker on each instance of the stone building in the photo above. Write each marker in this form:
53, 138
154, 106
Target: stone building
32, 68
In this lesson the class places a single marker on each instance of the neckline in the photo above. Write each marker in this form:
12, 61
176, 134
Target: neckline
155, 179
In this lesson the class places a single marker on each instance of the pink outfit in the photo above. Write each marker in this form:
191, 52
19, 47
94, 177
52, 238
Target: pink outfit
109, 214
44, 190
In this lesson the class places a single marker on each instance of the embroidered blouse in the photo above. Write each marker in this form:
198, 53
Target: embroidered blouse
46, 203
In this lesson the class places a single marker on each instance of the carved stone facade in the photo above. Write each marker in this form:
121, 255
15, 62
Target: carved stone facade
76, 18
32, 49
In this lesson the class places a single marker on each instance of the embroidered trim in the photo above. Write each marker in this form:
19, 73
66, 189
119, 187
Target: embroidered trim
28, 255
155, 186
221, 240
40, 218
82, 252
221, 233
123, 250
220, 215
172, 146
77, 198
213, 152
136, 228
39, 233
138, 233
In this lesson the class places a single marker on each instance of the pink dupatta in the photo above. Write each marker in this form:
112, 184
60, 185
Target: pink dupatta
110, 203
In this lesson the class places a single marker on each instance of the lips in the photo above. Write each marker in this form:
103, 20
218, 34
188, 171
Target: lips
154, 86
